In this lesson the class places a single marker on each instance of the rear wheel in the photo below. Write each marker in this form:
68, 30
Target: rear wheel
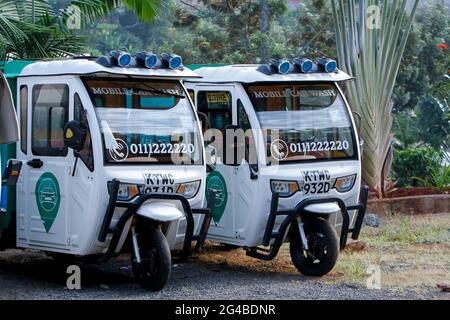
154, 270
323, 250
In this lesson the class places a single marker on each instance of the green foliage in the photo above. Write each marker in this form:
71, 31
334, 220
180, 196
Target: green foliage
441, 90
317, 36
38, 28
433, 122
226, 32
428, 124
413, 163
109, 37
424, 63
406, 130
32, 30
439, 179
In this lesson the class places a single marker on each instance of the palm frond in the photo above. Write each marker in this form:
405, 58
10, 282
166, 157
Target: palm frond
373, 57
32, 29
145, 10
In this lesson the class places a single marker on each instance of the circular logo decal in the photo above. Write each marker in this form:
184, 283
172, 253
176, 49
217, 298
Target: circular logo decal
279, 150
216, 182
120, 153
48, 198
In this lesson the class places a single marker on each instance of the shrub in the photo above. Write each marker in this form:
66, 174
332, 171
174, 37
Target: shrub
440, 179
433, 124
413, 163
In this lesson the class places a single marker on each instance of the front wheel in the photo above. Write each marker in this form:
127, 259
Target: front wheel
323, 248
154, 270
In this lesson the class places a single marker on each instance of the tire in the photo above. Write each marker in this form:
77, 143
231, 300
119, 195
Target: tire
323, 248
154, 270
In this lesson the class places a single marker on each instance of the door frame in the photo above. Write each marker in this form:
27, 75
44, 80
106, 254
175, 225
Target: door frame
24, 186
224, 232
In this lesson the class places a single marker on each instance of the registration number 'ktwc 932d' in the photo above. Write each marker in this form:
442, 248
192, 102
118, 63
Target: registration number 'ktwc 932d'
158, 183
316, 182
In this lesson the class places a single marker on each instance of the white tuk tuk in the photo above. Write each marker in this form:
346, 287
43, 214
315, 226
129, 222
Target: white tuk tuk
112, 152
286, 159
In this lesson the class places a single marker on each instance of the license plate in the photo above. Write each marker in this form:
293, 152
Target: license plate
146, 189
316, 187
316, 182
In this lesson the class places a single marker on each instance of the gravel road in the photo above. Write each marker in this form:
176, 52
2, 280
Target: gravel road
33, 275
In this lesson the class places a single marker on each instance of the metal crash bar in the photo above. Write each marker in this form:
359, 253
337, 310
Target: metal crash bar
299, 210
132, 208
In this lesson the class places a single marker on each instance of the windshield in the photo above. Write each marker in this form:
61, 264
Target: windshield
145, 121
310, 121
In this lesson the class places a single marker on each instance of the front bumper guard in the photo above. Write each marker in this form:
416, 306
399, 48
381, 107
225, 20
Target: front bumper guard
133, 206
299, 211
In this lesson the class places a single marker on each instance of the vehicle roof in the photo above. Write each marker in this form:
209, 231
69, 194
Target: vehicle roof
89, 67
248, 73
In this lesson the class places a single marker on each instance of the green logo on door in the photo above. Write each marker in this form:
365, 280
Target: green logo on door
216, 182
48, 199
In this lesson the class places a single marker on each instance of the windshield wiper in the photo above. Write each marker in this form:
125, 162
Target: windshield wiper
154, 90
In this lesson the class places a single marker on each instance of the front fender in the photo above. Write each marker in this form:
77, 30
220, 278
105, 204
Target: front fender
322, 208
160, 211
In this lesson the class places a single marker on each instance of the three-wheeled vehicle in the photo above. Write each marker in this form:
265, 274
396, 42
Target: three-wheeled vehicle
298, 176
112, 154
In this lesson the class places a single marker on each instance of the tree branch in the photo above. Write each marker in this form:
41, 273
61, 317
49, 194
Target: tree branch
190, 6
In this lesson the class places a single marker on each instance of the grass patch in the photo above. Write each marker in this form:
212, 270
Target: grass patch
412, 252
410, 231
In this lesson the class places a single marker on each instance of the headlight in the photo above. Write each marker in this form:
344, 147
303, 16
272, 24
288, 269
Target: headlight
284, 188
127, 192
189, 189
345, 184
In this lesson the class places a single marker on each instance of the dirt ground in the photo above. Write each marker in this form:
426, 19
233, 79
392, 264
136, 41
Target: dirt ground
412, 253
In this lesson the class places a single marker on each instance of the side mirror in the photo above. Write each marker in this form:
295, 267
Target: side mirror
358, 116
75, 135
211, 158
233, 152
204, 120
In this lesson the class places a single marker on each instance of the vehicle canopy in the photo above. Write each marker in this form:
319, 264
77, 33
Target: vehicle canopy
250, 73
88, 66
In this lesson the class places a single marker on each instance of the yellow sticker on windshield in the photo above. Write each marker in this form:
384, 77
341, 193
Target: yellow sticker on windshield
217, 97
